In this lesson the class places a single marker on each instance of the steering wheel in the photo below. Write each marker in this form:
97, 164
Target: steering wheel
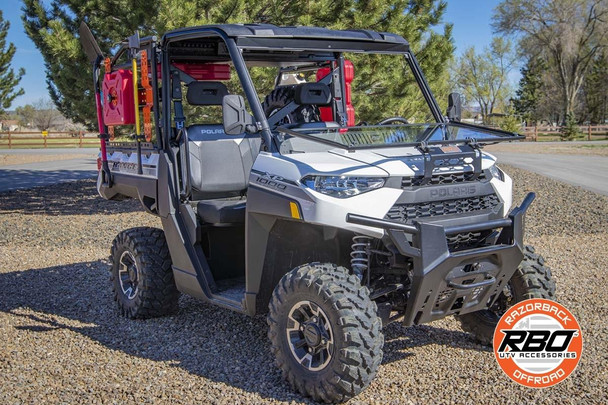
393, 119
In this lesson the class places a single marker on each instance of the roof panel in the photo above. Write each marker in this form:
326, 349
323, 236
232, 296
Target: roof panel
273, 31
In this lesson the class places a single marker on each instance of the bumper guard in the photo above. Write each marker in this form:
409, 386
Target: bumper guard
459, 282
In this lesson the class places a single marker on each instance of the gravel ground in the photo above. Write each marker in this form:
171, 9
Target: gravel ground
64, 341
594, 148
19, 159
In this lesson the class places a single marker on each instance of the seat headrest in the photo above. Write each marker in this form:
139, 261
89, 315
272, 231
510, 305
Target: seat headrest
312, 94
206, 93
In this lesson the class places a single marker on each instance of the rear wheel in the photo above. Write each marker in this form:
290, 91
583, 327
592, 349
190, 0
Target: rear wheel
325, 333
141, 274
532, 279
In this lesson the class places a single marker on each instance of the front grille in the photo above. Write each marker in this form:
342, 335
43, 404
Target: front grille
442, 178
406, 213
466, 240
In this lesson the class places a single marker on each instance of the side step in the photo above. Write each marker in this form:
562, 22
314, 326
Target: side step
229, 293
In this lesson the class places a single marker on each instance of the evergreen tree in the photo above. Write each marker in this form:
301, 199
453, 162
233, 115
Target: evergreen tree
8, 79
570, 130
528, 96
596, 90
54, 31
511, 122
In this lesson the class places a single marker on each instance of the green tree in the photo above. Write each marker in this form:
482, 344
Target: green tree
54, 29
528, 95
567, 34
570, 130
26, 115
8, 79
42, 115
596, 90
510, 122
483, 77
381, 78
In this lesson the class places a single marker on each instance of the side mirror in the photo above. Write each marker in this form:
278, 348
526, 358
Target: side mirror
235, 116
454, 112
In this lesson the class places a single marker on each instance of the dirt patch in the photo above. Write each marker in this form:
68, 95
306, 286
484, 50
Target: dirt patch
10, 159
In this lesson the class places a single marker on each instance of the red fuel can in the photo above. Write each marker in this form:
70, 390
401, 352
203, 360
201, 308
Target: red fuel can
118, 98
349, 75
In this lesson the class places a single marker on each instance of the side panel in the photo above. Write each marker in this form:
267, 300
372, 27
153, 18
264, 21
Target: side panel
183, 268
126, 182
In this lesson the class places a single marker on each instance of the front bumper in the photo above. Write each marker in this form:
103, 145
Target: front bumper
446, 282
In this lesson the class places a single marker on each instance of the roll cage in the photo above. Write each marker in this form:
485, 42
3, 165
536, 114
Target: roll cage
291, 48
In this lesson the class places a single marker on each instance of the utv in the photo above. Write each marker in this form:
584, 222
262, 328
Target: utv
283, 205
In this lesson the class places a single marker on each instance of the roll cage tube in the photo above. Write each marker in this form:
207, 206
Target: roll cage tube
424, 87
103, 130
252, 95
241, 68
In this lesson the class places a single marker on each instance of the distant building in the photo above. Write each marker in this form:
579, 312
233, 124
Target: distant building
9, 125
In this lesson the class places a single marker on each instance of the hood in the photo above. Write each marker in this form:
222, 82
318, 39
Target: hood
406, 161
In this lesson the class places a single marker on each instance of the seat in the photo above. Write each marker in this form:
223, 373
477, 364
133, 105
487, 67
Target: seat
220, 164
222, 211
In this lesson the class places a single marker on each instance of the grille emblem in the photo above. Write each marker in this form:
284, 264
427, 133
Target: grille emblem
452, 192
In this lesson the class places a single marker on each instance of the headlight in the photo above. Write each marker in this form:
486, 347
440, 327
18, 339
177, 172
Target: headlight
497, 173
342, 186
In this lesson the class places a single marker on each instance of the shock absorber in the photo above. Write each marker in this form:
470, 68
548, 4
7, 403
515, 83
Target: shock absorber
359, 256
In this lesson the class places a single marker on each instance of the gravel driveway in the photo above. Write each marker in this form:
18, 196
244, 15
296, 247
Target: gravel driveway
64, 341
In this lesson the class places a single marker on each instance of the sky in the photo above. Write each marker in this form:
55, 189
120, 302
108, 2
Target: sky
471, 19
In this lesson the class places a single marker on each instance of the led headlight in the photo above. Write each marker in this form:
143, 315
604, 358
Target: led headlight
342, 186
497, 173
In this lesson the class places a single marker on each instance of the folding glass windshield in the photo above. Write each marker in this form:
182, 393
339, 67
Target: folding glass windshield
303, 140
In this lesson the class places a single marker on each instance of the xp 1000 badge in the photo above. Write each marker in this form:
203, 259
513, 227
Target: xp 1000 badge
538, 343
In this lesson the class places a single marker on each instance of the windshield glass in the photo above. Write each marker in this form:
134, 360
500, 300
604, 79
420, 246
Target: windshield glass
315, 101
302, 140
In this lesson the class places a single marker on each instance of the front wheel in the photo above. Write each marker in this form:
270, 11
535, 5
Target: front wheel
325, 333
532, 279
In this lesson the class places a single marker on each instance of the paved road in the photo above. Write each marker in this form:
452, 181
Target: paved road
51, 151
28, 175
588, 172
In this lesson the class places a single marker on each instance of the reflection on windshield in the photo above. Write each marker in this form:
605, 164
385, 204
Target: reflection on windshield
461, 132
366, 136
382, 136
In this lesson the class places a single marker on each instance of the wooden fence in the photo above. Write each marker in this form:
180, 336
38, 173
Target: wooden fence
80, 139
77, 139
590, 132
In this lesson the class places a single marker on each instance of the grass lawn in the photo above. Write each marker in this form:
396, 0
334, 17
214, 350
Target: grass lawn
38, 142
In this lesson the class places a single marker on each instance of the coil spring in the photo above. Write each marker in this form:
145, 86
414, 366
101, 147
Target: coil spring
359, 256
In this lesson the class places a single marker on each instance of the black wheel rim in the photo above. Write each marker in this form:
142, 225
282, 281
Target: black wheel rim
128, 275
310, 336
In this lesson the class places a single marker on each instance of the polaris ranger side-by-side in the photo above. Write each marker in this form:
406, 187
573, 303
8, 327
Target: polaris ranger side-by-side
280, 203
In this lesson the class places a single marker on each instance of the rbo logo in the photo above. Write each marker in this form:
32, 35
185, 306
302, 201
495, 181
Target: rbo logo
538, 343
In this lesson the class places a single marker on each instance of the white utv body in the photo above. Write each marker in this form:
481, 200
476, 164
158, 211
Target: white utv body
288, 208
